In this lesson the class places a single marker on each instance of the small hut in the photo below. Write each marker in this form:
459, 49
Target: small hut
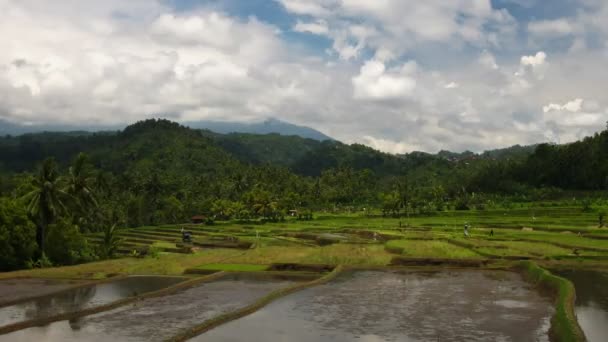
198, 219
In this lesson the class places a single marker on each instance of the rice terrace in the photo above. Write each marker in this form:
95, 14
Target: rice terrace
332, 278
304, 170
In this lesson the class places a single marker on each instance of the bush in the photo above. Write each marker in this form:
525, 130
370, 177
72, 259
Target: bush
65, 244
17, 236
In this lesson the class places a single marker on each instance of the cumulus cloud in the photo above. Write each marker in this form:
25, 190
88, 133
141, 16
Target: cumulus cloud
573, 106
375, 82
318, 27
401, 75
399, 25
536, 63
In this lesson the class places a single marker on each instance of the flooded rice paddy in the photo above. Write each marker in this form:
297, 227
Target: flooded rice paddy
591, 302
458, 305
82, 297
393, 306
23, 288
156, 319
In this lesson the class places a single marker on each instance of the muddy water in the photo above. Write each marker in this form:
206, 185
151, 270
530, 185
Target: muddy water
83, 298
157, 319
591, 302
18, 289
390, 306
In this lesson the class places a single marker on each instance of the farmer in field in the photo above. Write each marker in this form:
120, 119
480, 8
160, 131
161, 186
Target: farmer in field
466, 230
186, 235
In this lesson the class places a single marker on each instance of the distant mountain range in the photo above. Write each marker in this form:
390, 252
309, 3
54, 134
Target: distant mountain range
265, 127
260, 135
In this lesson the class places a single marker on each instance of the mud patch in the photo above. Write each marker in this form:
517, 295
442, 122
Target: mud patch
301, 267
472, 305
404, 261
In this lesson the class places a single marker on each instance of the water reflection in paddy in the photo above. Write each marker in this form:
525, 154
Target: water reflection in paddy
160, 318
591, 302
392, 306
83, 298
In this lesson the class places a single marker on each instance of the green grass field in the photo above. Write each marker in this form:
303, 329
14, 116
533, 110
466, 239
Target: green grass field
548, 235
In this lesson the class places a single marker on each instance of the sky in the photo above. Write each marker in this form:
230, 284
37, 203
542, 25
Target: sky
397, 75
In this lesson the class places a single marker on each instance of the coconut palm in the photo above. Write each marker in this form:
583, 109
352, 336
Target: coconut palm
79, 183
46, 201
111, 241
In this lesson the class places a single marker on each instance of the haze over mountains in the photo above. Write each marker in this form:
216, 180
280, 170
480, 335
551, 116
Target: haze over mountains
267, 126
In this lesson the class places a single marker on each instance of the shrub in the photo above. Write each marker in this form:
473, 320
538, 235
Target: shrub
17, 236
66, 245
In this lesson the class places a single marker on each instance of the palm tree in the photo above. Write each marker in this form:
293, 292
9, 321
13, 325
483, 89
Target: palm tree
111, 241
80, 183
45, 201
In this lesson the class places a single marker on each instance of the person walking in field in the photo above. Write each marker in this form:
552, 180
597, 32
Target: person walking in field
466, 230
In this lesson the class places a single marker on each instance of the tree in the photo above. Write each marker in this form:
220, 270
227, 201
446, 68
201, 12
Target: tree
16, 236
110, 242
46, 201
80, 185
79, 182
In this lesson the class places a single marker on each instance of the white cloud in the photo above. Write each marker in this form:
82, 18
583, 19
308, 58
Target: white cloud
375, 82
556, 27
399, 25
536, 63
318, 27
488, 60
402, 75
573, 106
307, 7
396, 147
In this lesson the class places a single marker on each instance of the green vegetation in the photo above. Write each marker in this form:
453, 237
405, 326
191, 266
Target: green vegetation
430, 249
564, 326
289, 199
234, 267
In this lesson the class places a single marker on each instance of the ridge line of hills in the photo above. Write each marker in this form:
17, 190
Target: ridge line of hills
240, 131
153, 146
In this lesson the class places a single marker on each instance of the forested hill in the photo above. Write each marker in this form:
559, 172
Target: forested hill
161, 145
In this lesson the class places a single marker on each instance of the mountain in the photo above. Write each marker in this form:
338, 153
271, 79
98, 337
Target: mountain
513, 152
9, 128
181, 154
265, 127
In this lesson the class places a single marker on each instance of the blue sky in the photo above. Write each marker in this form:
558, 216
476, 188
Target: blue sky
398, 75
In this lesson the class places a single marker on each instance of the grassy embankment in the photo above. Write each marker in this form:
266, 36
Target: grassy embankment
564, 326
